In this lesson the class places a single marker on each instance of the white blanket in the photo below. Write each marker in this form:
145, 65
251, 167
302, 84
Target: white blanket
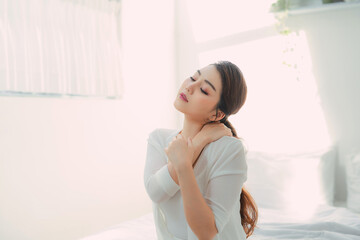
326, 223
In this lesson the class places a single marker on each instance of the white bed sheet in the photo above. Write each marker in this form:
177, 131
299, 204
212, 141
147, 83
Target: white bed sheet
326, 223
139, 228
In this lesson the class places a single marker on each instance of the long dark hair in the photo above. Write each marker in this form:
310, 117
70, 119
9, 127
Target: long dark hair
233, 97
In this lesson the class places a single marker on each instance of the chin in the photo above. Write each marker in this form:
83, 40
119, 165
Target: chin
177, 107
180, 108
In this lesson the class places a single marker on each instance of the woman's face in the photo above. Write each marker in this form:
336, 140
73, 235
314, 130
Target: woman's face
202, 90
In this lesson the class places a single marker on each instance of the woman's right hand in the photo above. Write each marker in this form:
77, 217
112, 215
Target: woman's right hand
214, 131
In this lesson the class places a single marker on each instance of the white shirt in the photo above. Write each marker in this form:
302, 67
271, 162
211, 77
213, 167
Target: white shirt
220, 172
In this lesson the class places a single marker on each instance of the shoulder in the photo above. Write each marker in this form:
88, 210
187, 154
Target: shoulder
226, 144
162, 132
227, 154
161, 135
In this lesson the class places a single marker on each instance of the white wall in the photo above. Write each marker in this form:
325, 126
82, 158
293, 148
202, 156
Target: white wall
334, 38
73, 166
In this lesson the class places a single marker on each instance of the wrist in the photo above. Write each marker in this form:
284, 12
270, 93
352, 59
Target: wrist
183, 168
172, 172
200, 140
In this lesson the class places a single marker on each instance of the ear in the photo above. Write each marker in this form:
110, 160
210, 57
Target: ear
220, 116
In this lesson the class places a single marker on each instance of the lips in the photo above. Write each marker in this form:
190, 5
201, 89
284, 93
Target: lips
184, 96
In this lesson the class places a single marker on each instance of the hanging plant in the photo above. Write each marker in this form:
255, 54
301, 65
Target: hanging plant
280, 8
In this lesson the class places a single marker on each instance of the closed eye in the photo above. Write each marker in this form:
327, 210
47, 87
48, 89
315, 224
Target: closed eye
192, 79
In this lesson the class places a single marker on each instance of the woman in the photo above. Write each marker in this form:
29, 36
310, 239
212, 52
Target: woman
195, 176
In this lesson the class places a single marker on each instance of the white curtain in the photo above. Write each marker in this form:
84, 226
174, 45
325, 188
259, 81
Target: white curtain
60, 47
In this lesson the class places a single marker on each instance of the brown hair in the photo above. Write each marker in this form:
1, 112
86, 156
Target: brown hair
233, 97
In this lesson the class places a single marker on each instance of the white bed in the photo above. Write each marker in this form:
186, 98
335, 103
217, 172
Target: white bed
294, 194
328, 222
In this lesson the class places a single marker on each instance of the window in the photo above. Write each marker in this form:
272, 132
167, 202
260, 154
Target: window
60, 48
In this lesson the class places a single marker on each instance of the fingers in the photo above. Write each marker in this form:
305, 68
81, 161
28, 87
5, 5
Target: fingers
230, 133
177, 137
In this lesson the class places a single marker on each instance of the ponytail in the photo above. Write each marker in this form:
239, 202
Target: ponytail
248, 208
233, 97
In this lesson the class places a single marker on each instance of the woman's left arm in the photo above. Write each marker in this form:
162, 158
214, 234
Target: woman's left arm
207, 215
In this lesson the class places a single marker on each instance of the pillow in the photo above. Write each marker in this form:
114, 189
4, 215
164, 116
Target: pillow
292, 181
353, 182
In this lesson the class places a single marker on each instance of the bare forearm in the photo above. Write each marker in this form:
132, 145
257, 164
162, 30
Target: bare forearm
199, 142
198, 214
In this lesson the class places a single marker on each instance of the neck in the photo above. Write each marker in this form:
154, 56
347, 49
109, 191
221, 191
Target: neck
190, 128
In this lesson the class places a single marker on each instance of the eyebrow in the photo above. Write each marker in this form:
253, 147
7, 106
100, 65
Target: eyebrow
212, 86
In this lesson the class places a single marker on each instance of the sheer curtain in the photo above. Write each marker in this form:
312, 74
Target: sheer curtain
60, 47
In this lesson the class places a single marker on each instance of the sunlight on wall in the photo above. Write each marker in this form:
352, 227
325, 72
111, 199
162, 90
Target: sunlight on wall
283, 110
214, 19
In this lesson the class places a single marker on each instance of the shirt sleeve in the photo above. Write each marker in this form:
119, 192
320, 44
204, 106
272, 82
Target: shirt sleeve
158, 183
226, 178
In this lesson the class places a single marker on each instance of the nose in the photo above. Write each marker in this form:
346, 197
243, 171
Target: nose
190, 87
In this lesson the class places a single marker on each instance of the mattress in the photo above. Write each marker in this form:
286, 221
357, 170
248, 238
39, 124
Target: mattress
326, 222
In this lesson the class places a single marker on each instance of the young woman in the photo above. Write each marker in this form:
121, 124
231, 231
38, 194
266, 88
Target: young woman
195, 175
